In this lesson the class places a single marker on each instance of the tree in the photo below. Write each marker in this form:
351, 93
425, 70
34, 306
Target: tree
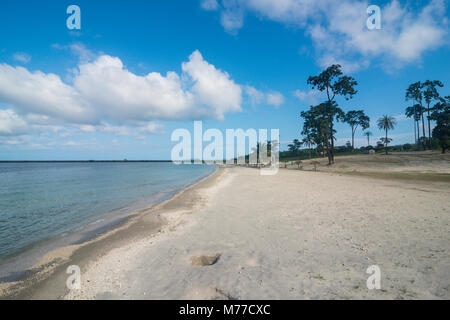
430, 94
368, 134
348, 145
317, 123
414, 92
441, 114
315, 126
386, 123
414, 112
334, 83
295, 146
356, 118
309, 141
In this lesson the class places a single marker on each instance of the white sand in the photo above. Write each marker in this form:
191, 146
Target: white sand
295, 235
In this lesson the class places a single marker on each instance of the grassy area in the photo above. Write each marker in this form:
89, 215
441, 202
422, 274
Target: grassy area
408, 166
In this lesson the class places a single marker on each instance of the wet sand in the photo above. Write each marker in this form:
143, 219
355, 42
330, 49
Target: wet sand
295, 235
47, 279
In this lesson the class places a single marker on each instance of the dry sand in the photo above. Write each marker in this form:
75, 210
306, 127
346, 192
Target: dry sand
295, 235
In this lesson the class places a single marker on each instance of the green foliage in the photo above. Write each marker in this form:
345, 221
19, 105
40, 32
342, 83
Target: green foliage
418, 92
356, 118
368, 134
407, 146
334, 83
386, 123
295, 146
441, 114
319, 120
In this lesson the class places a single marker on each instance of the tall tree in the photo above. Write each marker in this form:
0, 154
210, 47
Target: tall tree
430, 94
386, 123
413, 112
414, 92
441, 114
315, 126
368, 134
356, 118
334, 83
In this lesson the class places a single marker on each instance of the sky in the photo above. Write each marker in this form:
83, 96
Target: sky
138, 70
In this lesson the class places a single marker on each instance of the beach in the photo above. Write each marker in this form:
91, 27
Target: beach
236, 234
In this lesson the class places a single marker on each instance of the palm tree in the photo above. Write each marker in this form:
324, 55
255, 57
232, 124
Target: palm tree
368, 134
309, 141
386, 123
295, 146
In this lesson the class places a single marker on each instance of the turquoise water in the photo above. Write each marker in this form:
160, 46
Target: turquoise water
39, 201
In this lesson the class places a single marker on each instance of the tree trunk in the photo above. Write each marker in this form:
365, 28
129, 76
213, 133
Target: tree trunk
429, 127
418, 132
415, 133
423, 131
353, 139
327, 146
332, 142
386, 142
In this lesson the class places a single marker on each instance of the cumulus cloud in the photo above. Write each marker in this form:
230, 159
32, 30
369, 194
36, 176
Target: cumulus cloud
213, 88
257, 97
105, 89
40, 93
339, 33
104, 96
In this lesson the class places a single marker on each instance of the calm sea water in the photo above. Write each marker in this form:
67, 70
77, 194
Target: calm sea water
39, 201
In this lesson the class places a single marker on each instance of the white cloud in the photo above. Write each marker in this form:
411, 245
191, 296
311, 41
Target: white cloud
40, 93
232, 18
11, 123
87, 128
339, 33
212, 87
311, 96
209, 5
22, 57
275, 99
104, 96
401, 117
258, 97
105, 90
152, 128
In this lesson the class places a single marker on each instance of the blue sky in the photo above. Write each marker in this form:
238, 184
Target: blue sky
137, 70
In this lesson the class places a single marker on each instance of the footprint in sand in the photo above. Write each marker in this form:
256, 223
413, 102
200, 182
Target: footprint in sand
203, 261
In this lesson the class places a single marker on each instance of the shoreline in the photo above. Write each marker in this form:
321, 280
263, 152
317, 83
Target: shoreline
51, 263
295, 235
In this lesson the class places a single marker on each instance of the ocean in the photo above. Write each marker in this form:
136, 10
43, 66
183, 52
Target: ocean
45, 202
